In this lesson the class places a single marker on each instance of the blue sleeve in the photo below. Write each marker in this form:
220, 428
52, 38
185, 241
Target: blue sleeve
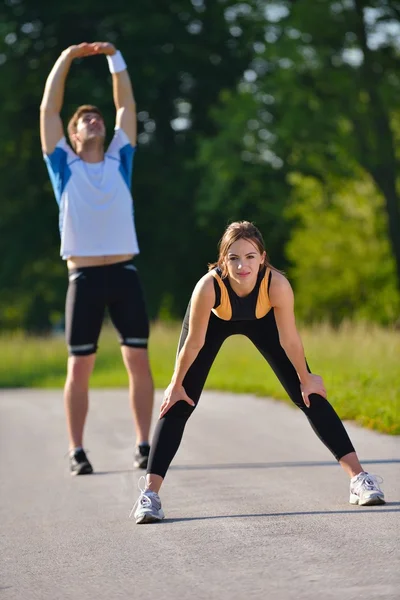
126, 154
59, 171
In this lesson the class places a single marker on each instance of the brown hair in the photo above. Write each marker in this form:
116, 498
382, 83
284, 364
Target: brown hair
239, 230
73, 122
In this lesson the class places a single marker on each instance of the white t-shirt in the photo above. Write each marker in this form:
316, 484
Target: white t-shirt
96, 206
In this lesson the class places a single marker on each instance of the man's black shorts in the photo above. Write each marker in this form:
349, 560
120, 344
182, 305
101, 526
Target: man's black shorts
90, 291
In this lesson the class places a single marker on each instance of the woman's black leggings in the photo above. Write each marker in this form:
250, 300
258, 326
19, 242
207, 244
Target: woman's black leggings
264, 335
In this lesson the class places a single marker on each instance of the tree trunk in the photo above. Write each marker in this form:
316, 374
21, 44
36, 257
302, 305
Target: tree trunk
383, 165
387, 185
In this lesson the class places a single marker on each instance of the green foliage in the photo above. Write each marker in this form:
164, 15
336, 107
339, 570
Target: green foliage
239, 180
232, 99
324, 102
336, 96
180, 56
342, 264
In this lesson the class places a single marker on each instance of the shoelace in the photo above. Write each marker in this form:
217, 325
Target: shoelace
371, 482
143, 499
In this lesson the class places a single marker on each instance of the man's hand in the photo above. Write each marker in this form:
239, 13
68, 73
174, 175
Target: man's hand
80, 50
103, 48
92, 49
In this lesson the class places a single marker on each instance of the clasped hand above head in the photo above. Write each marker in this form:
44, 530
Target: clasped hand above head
172, 395
312, 385
92, 49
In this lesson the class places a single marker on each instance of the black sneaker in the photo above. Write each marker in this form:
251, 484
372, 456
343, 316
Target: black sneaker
79, 464
141, 456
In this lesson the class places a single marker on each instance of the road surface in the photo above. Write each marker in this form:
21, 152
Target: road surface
256, 508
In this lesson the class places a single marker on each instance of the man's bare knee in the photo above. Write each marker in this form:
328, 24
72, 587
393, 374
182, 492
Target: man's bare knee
136, 360
80, 368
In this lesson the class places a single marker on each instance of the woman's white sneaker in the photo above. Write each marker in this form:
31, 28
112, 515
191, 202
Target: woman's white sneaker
147, 508
365, 490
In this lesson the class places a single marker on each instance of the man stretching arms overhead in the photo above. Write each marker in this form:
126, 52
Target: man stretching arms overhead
98, 241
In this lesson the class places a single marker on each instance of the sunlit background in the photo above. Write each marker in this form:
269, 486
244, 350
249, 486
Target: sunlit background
283, 113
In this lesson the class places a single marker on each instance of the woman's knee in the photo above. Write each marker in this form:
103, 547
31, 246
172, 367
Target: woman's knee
180, 410
317, 402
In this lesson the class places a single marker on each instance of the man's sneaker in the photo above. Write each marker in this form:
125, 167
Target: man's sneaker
147, 507
79, 464
141, 456
365, 490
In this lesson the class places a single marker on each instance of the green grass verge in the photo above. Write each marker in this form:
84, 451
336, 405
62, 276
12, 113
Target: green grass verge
359, 364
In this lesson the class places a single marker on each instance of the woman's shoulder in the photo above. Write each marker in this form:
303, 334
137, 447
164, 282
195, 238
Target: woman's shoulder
278, 278
279, 286
204, 293
205, 285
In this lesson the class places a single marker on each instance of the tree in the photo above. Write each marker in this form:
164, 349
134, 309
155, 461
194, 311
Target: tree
180, 56
239, 182
333, 76
342, 262
324, 89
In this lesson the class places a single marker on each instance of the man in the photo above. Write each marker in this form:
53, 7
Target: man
98, 241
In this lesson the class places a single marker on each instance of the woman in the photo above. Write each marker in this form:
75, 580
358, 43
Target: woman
243, 294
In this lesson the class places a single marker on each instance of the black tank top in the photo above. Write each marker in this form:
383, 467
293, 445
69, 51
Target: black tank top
231, 307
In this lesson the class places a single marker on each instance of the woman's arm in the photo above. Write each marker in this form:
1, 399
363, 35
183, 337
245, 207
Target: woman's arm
203, 299
282, 299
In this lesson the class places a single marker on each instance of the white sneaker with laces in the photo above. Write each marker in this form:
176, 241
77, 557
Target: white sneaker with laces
365, 490
148, 506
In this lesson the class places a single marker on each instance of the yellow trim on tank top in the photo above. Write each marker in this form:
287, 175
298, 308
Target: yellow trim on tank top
263, 305
224, 310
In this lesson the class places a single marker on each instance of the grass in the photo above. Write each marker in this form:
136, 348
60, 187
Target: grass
359, 364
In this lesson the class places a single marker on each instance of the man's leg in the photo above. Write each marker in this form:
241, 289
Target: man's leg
128, 313
141, 390
76, 397
83, 318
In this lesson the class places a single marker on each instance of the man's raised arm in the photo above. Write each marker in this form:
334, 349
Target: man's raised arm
51, 129
122, 90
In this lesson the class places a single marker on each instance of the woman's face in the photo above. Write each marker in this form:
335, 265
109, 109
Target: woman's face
243, 262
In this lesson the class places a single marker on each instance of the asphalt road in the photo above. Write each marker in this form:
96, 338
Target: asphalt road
256, 508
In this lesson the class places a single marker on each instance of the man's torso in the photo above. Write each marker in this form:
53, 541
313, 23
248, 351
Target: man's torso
96, 208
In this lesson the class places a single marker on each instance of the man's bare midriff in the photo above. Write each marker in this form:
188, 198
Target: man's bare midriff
76, 262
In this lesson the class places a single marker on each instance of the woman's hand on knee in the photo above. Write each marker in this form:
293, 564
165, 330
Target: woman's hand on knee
313, 385
172, 395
